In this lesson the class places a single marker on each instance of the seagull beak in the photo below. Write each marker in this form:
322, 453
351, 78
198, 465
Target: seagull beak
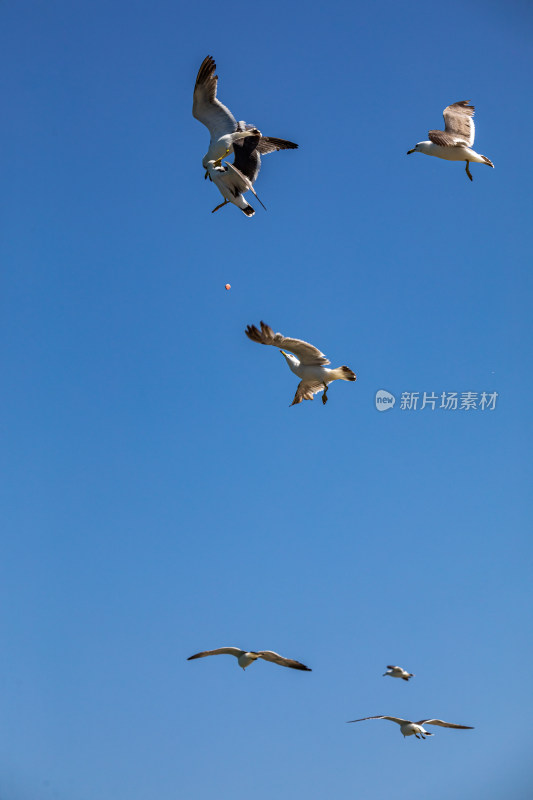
411, 151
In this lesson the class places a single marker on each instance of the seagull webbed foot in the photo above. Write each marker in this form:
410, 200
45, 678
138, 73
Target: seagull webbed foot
324, 396
468, 170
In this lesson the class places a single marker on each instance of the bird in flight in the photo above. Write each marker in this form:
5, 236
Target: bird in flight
409, 728
455, 142
245, 658
305, 360
219, 120
233, 180
398, 672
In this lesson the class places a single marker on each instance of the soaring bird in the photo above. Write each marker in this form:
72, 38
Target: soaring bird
233, 180
307, 362
454, 143
409, 728
398, 672
222, 125
245, 658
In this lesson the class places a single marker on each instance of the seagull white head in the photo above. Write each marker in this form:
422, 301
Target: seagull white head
291, 360
421, 147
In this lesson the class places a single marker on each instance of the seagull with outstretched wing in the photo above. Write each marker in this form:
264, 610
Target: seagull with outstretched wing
222, 125
304, 360
245, 658
409, 728
455, 142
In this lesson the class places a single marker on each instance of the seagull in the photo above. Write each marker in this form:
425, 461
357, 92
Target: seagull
222, 125
409, 728
307, 362
234, 179
246, 658
398, 672
455, 141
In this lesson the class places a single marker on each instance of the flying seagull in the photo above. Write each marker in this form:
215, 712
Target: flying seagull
409, 728
307, 362
246, 658
398, 672
222, 125
232, 180
454, 143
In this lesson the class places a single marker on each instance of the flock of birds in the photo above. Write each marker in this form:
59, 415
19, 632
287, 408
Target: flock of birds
248, 144
407, 726
233, 180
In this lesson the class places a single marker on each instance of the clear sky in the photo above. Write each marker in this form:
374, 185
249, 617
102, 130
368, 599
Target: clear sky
159, 496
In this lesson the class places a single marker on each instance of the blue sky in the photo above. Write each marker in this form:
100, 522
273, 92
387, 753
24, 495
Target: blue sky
160, 497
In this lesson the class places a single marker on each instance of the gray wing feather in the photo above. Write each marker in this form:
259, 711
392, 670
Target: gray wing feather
307, 353
392, 719
443, 724
306, 390
270, 655
269, 144
230, 651
459, 123
247, 159
205, 106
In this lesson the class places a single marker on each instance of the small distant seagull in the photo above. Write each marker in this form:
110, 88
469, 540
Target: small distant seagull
409, 728
246, 658
398, 672
455, 141
233, 180
307, 362
222, 125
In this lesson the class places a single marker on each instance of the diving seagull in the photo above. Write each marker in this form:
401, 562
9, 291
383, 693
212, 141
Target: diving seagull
222, 125
398, 672
409, 728
245, 658
454, 143
306, 361
233, 180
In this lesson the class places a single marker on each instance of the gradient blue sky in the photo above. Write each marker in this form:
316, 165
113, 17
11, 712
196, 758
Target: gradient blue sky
159, 497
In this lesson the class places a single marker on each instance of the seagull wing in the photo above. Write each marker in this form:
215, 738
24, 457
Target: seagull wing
392, 719
247, 159
306, 390
230, 651
269, 144
306, 353
389, 666
205, 106
443, 724
269, 655
459, 126
240, 182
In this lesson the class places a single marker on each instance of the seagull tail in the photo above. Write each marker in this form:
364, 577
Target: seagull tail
345, 374
487, 161
248, 210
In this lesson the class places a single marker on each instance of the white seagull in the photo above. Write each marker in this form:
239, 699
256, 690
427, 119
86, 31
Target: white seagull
222, 125
454, 143
246, 658
307, 362
409, 728
233, 180
398, 672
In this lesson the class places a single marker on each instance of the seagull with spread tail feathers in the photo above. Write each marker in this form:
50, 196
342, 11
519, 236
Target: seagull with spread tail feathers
304, 360
455, 142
